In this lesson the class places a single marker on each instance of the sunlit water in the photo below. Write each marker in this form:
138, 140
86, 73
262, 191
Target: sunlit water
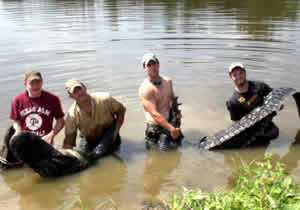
102, 43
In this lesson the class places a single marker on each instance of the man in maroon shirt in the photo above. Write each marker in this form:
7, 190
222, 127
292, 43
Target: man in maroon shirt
34, 109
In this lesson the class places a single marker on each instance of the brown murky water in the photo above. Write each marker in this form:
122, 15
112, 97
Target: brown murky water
102, 42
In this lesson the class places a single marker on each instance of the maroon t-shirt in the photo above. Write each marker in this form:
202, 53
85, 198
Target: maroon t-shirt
36, 114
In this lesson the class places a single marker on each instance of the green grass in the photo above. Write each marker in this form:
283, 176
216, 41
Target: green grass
260, 186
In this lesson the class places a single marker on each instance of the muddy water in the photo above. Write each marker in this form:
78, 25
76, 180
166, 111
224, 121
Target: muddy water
102, 43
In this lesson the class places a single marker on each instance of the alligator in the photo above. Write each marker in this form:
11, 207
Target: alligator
31, 150
241, 133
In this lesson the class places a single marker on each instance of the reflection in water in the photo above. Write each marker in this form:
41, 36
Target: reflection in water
292, 157
38, 193
158, 166
94, 187
103, 183
235, 159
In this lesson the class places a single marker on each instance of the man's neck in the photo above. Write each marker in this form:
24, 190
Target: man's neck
155, 80
242, 88
85, 105
31, 95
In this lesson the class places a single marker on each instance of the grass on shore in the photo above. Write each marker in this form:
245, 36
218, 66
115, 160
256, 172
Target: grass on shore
260, 186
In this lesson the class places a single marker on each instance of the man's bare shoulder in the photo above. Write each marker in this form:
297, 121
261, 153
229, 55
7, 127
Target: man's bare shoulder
145, 88
167, 79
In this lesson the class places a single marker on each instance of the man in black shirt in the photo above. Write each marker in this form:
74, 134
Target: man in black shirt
247, 96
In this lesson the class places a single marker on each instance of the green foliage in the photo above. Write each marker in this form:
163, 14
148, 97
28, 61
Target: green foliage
82, 207
107, 205
260, 186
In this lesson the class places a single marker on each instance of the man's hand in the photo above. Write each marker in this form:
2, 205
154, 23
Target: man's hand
48, 138
175, 133
116, 131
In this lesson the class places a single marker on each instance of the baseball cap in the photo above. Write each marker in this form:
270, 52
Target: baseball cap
72, 84
149, 57
31, 75
235, 65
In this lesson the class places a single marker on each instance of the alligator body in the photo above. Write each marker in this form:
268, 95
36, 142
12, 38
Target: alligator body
242, 131
28, 148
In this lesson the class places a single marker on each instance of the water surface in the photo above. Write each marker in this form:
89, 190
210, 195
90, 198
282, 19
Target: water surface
102, 43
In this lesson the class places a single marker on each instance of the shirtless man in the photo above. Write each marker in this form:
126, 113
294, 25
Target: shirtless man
156, 94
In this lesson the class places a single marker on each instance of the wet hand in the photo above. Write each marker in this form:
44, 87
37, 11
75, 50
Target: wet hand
175, 133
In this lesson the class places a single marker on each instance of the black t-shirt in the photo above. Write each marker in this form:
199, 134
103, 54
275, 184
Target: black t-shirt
241, 104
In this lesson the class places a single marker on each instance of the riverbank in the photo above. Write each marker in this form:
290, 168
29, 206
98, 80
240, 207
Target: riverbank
260, 185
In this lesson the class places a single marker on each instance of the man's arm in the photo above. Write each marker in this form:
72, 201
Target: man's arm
70, 132
60, 123
232, 111
150, 107
117, 109
69, 141
17, 125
